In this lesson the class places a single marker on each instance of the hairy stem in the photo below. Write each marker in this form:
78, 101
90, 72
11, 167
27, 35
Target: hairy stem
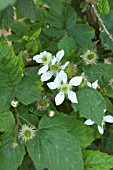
101, 22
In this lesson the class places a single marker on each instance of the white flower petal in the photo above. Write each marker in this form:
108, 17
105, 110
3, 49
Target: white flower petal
53, 61
89, 122
46, 76
95, 84
37, 58
52, 85
104, 110
64, 66
100, 129
59, 55
72, 97
75, 81
88, 84
59, 98
43, 69
108, 119
62, 76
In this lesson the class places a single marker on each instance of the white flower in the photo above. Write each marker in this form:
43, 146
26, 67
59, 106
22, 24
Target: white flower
85, 81
14, 103
108, 119
89, 57
111, 83
45, 58
65, 88
93, 85
27, 132
54, 67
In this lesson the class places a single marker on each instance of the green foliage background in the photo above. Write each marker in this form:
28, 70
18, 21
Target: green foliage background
62, 142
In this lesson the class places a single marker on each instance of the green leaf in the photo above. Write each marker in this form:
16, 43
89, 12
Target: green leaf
109, 105
54, 148
19, 28
32, 47
62, 23
68, 45
55, 5
103, 6
26, 9
97, 160
82, 34
10, 75
8, 15
97, 71
5, 3
105, 40
84, 134
28, 90
91, 104
7, 121
10, 158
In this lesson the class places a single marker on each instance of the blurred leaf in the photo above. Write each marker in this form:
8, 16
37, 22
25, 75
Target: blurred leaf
7, 17
105, 40
26, 9
5, 3
103, 6
97, 160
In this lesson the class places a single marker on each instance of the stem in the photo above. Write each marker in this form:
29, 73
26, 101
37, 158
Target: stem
17, 124
24, 119
101, 22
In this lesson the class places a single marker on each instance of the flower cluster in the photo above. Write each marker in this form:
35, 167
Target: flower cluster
52, 66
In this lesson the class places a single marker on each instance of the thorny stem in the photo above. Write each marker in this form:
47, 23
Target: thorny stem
101, 22
17, 124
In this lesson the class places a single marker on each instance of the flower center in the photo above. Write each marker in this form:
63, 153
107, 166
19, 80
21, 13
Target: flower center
44, 59
27, 133
43, 102
64, 88
90, 56
54, 68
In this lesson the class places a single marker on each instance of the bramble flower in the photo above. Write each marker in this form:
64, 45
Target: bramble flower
54, 67
111, 83
45, 58
65, 88
89, 57
14, 103
43, 103
93, 85
108, 119
85, 82
27, 132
